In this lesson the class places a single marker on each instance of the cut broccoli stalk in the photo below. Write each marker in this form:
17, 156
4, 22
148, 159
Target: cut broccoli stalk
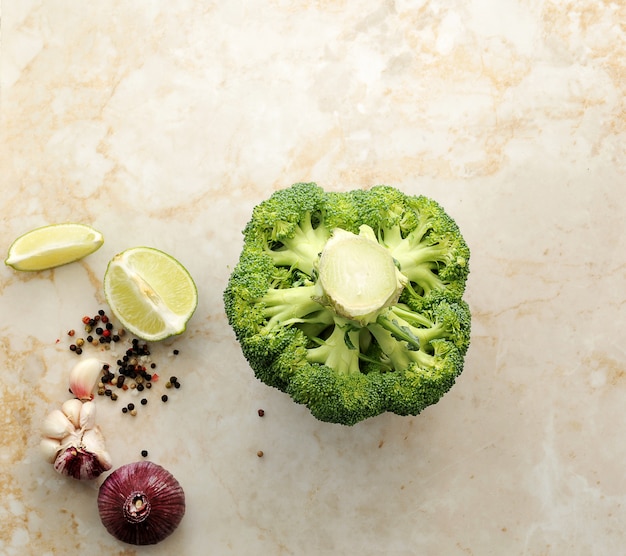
358, 275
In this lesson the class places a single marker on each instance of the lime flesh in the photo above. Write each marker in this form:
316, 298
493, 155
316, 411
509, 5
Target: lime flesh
53, 245
150, 292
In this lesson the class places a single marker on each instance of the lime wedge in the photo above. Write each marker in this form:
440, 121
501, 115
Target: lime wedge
150, 292
53, 245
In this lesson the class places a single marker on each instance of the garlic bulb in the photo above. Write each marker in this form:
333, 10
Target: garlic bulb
141, 503
73, 442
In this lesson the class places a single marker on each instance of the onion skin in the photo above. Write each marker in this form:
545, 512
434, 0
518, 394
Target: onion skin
141, 503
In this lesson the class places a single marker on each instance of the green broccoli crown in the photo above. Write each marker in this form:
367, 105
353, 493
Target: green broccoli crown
351, 303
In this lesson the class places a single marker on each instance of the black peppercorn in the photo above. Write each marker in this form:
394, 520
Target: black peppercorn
144, 401
164, 398
144, 453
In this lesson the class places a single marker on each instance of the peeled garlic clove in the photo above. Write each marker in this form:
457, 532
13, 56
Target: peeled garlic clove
57, 425
71, 409
84, 376
79, 464
50, 448
141, 503
87, 418
93, 441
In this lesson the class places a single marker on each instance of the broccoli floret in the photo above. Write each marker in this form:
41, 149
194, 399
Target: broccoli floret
351, 303
290, 226
344, 398
422, 384
425, 242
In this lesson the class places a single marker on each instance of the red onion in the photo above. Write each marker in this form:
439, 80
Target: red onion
141, 503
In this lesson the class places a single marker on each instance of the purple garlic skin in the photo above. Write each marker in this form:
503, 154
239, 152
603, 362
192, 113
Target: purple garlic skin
141, 503
80, 464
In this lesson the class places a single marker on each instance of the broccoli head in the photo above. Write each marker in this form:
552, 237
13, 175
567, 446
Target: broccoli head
351, 302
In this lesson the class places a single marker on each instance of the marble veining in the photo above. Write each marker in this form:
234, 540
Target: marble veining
163, 124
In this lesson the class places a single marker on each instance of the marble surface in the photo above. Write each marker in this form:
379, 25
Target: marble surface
164, 123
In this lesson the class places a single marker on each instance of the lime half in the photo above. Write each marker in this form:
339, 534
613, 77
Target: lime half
150, 292
53, 245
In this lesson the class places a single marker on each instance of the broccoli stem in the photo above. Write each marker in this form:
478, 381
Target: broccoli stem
399, 354
399, 331
416, 259
339, 351
302, 250
411, 327
290, 305
423, 276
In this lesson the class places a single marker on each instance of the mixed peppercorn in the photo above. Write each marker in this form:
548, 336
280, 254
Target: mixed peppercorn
133, 371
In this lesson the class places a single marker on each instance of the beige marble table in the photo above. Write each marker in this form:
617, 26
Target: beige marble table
164, 123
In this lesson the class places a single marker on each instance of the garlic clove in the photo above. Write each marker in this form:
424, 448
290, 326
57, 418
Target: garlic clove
50, 448
93, 441
84, 376
57, 425
71, 440
71, 409
87, 418
79, 464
